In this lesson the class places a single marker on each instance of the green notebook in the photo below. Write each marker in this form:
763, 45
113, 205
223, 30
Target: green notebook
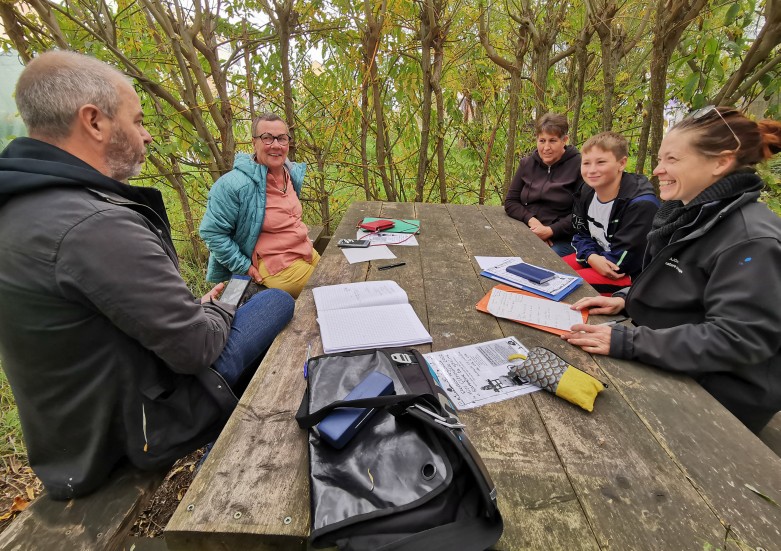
399, 226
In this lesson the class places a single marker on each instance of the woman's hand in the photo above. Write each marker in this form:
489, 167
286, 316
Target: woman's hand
254, 274
543, 232
600, 305
604, 267
214, 294
594, 339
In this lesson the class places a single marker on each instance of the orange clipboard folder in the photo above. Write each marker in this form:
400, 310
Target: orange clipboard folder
482, 306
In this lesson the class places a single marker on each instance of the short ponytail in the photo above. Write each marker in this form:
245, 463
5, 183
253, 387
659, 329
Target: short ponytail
770, 131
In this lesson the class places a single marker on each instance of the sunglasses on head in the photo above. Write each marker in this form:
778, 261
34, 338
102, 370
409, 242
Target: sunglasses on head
707, 110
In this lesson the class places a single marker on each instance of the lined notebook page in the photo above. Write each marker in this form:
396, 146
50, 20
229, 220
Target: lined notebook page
353, 295
370, 327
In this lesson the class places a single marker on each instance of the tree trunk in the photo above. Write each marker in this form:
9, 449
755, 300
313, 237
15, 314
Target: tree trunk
510, 159
426, 40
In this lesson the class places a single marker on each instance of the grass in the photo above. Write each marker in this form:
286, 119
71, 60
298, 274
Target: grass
11, 443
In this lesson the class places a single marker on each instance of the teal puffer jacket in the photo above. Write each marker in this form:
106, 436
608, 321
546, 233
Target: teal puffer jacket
234, 215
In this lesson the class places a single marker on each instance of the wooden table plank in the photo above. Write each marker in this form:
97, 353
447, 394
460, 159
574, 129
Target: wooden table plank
669, 406
631, 475
255, 480
537, 501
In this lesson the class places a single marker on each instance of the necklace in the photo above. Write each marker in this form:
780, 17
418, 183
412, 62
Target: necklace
273, 181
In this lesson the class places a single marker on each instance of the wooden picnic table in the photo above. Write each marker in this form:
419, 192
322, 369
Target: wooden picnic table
659, 464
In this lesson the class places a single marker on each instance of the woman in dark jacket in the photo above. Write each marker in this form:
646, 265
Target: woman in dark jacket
708, 301
542, 189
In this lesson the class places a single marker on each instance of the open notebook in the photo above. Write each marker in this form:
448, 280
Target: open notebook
368, 314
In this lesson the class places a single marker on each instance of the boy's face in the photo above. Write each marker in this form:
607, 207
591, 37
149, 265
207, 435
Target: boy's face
600, 168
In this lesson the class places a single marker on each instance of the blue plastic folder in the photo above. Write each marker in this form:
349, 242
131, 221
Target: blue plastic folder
399, 226
557, 297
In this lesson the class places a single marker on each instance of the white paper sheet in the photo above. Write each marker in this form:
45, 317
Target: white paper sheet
371, 327
539, 311
379, 252
360, 294
486, 262
477, 374
388, 238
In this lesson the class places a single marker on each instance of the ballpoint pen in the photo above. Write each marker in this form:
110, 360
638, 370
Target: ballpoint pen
306, 362
613, 322
389, 266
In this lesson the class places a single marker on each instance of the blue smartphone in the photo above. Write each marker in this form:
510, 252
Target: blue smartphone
532, 273
342, 424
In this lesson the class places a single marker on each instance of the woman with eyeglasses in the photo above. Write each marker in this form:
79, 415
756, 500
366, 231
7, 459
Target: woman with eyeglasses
708, 301
252, 223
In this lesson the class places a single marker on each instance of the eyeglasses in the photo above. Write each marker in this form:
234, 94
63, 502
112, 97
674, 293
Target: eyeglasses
268, 139
707, 110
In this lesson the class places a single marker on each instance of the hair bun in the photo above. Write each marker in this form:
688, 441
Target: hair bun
771, 137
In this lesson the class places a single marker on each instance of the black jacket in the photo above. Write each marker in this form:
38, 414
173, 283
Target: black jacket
630, 221
709, 305
106, 349
545, 192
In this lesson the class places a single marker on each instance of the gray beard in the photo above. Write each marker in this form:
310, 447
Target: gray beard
121, 160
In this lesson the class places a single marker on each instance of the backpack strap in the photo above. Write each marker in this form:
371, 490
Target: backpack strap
396, 403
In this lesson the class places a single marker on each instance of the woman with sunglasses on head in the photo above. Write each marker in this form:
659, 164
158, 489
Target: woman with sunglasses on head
252, 223
708, 301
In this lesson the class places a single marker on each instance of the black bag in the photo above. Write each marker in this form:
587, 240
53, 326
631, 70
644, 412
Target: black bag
408, 480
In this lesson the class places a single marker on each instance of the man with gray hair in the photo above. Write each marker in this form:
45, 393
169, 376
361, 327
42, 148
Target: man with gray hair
109, 355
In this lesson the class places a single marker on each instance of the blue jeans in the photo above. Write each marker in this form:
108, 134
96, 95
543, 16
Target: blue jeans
256, 324
563, 248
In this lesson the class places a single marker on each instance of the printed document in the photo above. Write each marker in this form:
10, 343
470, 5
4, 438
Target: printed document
388, 238
478, 374
368, 314
538, 311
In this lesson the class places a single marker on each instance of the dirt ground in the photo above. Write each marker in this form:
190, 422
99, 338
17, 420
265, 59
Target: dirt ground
19, 486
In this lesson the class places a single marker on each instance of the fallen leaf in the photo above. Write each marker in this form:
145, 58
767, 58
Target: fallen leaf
30, 493
6, 516
20, 504
760, 494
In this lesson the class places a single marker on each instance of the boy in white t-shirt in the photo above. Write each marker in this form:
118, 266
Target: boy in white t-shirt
612, 215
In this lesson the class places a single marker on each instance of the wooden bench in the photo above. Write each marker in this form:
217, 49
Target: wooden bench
318, 238
771, 434
98, 522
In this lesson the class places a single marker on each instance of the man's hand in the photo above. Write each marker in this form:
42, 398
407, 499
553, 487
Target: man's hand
214, 294
604, 267
600, 305
254, 274
594, 339
533, 222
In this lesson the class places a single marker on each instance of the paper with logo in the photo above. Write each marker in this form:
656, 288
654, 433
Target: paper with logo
388, 238
479, 374
482, 306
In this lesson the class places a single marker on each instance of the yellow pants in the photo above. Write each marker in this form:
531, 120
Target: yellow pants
293, 278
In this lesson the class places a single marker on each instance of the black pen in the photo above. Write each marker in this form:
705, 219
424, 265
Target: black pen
613, 322
389, 266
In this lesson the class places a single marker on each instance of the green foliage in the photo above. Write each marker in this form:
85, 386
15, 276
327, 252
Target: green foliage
11, 443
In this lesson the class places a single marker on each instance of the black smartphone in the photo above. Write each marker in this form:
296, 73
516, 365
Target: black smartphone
353, 243
235, 289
